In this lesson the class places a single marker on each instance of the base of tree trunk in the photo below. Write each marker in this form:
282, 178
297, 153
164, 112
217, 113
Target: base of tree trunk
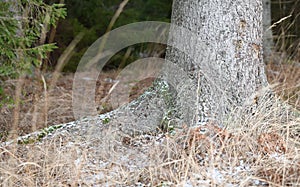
157, 110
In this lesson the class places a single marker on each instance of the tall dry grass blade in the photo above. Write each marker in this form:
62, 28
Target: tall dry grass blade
16, 112
279, 21
45, 110
63, 59
112, 22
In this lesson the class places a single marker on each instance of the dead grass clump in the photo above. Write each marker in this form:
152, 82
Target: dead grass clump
238, 154
36, 165
287, 78
256, 151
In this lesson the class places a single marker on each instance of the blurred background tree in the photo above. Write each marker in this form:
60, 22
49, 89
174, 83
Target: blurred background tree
93, 17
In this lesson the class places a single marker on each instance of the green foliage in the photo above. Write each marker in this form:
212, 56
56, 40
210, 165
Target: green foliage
22, 24
105, 120
37, 137
5, 99
94, 16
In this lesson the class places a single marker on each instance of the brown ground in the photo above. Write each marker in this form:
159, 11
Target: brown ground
58, 103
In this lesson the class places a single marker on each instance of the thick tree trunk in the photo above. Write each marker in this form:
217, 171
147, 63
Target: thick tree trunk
216, 69
231, 71
221, 55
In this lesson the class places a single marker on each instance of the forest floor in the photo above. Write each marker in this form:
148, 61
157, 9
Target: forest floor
57, 102
78, 155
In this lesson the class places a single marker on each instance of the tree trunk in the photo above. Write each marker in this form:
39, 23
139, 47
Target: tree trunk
214, 68
268, 43
230, 71
221, 53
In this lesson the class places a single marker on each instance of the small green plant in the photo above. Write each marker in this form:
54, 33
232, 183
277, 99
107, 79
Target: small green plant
26, 141
105, 120
165, 91
5, 99
39, 135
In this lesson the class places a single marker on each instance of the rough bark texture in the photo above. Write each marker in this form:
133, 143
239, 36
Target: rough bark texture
231, 69
220, 53
268, 43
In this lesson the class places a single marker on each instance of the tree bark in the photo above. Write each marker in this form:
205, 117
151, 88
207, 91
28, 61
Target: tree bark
218, 46
231, 71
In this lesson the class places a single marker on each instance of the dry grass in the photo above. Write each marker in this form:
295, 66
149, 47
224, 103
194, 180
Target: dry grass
256, 153
58, 101
258, 149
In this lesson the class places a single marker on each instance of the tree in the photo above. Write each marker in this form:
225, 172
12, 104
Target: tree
268, 43
228, 71
93, 17
232, 32
220, 51
24, 26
